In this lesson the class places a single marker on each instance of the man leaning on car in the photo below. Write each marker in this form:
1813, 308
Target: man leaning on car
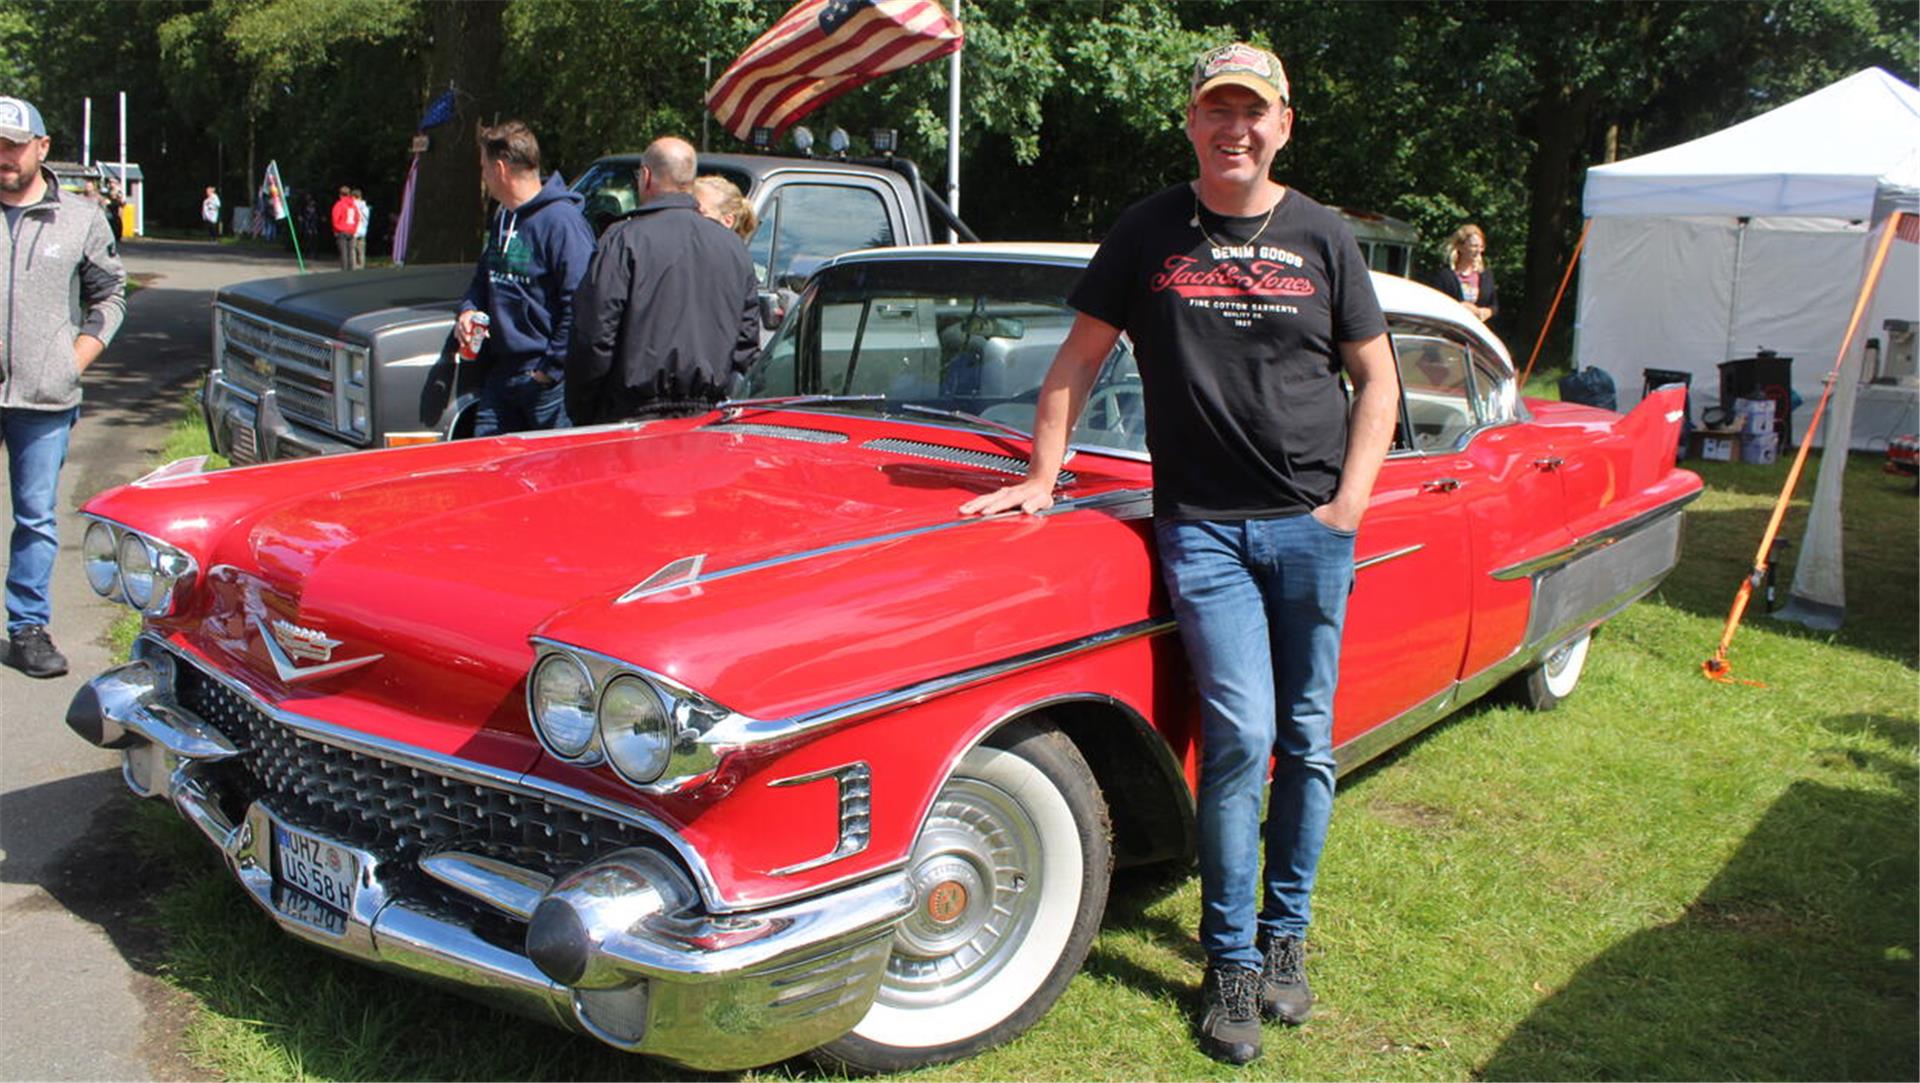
1245, 300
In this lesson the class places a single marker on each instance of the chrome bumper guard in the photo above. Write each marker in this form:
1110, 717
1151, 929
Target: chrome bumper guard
249, 428
619, 948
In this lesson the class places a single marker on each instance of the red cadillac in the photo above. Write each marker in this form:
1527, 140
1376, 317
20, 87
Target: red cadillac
725, 738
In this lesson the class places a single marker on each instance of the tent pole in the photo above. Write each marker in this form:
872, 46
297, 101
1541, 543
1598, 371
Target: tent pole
1717, 668
1733, 298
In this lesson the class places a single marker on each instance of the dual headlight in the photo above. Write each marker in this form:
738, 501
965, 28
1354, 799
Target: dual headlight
586, 710
125, 565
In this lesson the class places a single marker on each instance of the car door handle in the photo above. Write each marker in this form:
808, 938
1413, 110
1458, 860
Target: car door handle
1549, 462
1441, 485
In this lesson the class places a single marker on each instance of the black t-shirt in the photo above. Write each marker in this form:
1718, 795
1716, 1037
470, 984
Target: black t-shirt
1238, 348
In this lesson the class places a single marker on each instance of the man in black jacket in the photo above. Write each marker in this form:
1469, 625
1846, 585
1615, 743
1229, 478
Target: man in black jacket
669, 308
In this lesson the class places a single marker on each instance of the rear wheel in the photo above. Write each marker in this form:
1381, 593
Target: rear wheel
1545, 685
1010, 876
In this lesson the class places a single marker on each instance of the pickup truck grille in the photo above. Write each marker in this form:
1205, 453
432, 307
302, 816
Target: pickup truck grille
390, 808
299, 367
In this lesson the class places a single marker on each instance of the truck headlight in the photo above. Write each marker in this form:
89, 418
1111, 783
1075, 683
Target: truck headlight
561, 695
635, 729
102, 560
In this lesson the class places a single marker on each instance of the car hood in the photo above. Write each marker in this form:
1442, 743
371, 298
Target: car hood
443, 563
353, 304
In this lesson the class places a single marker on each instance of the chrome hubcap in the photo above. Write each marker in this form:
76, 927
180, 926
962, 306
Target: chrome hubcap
973, 873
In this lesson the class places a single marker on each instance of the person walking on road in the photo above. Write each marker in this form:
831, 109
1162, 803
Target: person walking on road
346, 220
210, 213
1245, 301
360, 231
64, 290
670, 308
537, 252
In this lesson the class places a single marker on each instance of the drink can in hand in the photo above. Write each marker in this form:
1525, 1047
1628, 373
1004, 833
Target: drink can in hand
470, 343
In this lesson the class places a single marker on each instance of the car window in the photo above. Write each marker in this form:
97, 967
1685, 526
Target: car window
948, 334
1494, 393
814, 221
610, 190
1438, 392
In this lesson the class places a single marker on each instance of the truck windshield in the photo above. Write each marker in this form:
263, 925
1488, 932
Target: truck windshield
971, 336
611, 189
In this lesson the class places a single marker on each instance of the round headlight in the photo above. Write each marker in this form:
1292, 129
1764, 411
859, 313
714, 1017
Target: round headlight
102, 563
136, 570
563, 704
635, 729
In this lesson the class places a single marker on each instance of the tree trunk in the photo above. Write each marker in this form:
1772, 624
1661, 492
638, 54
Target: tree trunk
449, 208
1560, 119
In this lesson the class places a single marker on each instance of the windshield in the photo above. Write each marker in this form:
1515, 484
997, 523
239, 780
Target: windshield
967, 335
611, 190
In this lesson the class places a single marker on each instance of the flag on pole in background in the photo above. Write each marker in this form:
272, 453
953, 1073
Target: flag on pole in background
273, 191
821, 49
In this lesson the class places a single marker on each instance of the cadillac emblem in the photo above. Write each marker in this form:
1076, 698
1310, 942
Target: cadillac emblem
289, 644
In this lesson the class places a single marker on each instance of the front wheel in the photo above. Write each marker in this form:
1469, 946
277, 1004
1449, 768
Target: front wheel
1010, 875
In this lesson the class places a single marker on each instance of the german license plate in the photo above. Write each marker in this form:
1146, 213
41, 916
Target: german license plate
320, 869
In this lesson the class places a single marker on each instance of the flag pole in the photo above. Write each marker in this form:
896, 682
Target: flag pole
953, 132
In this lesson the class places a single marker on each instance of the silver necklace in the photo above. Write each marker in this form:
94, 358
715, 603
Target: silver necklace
1215, 241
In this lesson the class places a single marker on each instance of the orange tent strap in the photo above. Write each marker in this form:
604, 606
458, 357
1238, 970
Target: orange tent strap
1553, 309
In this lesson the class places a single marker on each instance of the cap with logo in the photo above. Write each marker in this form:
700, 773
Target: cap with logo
1240, 65
20, 121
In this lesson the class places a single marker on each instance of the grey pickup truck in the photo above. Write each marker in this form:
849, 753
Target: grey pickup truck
322, 363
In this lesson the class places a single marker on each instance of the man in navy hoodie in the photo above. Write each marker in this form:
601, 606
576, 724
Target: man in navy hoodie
537, 252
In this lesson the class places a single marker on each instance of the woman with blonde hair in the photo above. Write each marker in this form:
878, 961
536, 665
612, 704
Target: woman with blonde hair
1466, 278
720, 200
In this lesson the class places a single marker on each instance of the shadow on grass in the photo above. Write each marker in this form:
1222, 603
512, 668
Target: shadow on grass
1795, 962
1130, 910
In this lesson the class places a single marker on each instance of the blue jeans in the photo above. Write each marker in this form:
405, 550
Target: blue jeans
36, 450
516, 402
1260, 603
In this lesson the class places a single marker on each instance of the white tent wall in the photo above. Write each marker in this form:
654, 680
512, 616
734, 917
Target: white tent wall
1670, 278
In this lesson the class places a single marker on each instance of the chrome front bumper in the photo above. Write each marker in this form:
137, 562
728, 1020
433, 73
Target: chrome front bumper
249, 428
620, 948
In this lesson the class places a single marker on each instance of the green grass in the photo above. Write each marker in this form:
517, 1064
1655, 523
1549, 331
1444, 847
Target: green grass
1665, 878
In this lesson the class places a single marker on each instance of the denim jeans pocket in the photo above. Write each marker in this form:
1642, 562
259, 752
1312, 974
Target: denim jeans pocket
1333, 530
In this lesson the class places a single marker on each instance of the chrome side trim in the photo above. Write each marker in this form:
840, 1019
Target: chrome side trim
739, 731
1399, 728
1599, 539
1382, 558
468, 771
1113, 499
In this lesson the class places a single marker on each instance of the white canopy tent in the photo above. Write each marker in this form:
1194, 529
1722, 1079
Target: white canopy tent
1756, 237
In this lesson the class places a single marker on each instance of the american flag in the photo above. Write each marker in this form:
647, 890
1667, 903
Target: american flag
821, 49
1908, 227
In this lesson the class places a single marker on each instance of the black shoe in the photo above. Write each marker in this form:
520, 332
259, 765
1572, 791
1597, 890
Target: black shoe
1230, 1014
32, 653
1284, 992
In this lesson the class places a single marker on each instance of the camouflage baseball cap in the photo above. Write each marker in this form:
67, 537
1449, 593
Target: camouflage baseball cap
1243, 65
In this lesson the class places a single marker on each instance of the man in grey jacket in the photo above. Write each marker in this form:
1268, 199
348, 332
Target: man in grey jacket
64, 292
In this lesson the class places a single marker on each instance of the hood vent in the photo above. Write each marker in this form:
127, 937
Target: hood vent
986, 460
778, 432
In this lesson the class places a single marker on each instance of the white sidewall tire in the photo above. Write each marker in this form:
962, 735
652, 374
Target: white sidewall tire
1555, 679
1074, 862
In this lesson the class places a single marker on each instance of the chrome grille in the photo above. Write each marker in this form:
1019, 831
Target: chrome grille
299, 367
778, 432
1006, 464
387, 807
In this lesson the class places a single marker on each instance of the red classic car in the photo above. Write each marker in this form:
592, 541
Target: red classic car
725, 738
